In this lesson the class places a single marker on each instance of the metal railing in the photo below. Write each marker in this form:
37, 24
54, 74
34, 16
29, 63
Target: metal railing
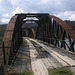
53, 41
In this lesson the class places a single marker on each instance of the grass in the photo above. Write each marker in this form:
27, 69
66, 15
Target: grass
27, 72
59, 71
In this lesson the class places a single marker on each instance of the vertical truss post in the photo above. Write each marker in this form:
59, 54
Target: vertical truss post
4, 52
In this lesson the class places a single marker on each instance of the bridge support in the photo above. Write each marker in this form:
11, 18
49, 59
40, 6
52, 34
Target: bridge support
50, 29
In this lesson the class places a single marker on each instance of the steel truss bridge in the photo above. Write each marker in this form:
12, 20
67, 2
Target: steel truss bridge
50, 29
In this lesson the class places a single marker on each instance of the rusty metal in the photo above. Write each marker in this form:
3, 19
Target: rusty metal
33, 33
50, 29
57, 32
65, 26
11, 35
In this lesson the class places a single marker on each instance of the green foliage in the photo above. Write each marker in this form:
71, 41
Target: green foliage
27, 72
59, 71
2, 29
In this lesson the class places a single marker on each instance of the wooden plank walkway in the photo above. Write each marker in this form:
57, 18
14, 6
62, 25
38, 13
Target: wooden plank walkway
22, 61
38, 66
38, 56
57, 57
64, 57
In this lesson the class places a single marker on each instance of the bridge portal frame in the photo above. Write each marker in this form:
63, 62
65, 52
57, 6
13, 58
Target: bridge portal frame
50, 29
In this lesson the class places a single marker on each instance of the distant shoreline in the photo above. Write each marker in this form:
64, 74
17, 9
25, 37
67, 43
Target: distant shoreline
3, 24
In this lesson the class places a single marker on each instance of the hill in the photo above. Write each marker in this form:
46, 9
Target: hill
2, 29
71, 23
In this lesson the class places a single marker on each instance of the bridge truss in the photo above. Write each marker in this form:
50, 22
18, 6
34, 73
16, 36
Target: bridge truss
50, 29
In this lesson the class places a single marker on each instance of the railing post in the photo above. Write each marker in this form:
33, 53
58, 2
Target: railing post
4, 52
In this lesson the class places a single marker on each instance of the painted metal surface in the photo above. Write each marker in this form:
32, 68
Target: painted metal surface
50, 29
65, 26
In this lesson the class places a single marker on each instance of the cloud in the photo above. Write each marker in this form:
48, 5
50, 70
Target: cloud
0, 0
45, 1
58, 7
5, 6
18, 10
5, 20
6, 15
72, 17
5, 9
67, 15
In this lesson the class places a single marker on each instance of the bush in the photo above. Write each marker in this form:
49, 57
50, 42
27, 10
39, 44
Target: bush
59, 71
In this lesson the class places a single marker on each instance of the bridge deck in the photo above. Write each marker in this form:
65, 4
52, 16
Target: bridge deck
38, 56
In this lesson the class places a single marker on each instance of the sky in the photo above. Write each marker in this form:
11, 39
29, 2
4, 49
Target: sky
64, 9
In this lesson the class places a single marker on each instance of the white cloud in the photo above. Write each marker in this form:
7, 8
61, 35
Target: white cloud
45, 1
6, 15
18, 10
13, 2
72, 17
58, 2
67, 15
5, 20
61, 8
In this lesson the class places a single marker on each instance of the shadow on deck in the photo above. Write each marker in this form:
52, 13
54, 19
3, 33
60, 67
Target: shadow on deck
37, 56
